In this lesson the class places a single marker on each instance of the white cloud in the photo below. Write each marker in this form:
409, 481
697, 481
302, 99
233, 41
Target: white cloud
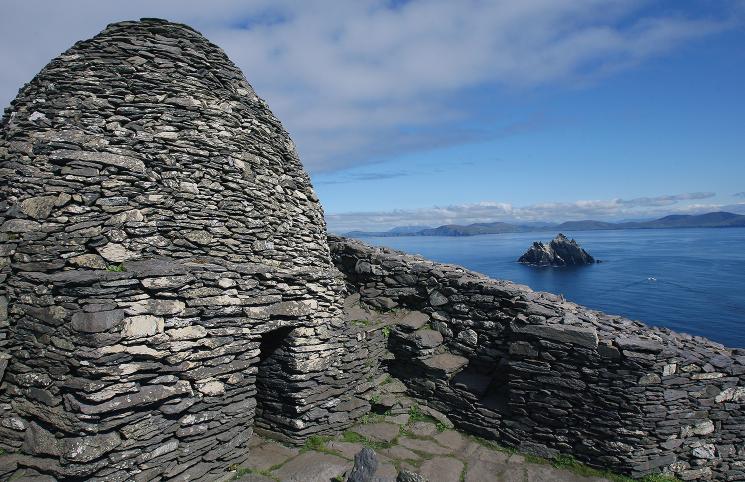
352, 80
490, 211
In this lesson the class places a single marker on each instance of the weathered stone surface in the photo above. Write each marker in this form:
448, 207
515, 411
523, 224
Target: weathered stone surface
124, 162
409, 476
97, 322
313, 467
422, 445
346, 449
194, 332
147, 394
635, 343
451, 439
423, 429
142, 325
19, 226
38, 207
116, 253
39, 441
212, 388
381, 432
446, 363
4, 358
92, 261
365, 466
579, 335
157, 307
86, 449
441, 469
269, 455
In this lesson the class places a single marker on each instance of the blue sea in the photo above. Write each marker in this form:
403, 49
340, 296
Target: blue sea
689, 280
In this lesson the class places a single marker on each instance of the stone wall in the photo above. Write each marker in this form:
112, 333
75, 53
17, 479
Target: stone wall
537, 372
161, 249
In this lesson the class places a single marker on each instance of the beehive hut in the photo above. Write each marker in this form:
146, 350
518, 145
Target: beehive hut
166, 282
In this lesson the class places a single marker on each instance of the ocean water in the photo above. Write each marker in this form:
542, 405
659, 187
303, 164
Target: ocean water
689, 280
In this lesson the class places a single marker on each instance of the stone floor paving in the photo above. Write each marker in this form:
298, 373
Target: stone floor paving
416, 445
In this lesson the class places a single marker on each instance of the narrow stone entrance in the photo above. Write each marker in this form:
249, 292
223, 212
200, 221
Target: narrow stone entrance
273, 406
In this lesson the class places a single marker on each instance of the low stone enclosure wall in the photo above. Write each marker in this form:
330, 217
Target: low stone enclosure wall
534, 371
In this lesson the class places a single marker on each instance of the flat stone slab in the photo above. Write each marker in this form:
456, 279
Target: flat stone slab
402, 419
546, 473
421, 445
427, 338
477, 452
355, 313
312, 467
480, 471
380, 432
394, 386
397, 452
255, 478
386, 473
413, 320
256, 440
266, 456
451, 439
347, 449
447, 363
423, 429
442, 469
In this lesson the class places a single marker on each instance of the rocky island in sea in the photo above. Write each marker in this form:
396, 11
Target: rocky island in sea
561, 251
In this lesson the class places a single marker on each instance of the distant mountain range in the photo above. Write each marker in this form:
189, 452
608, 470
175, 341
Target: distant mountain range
708, 220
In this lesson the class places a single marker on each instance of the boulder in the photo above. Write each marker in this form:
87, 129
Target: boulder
365, 465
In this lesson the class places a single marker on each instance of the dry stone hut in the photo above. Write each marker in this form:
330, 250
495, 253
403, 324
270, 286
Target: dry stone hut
166, 280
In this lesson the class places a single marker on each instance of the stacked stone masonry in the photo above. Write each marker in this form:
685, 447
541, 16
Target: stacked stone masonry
167, 288
165, 280
547, 376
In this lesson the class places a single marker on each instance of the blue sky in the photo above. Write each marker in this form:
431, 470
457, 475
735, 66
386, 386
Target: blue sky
432, 112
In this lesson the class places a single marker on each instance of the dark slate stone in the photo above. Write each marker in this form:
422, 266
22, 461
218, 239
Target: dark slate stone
365, 465
635, 343
96, 322
408, 476
586, 336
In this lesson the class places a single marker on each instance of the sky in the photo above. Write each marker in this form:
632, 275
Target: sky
437, 112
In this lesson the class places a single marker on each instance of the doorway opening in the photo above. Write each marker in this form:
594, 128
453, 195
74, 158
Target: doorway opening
273, 406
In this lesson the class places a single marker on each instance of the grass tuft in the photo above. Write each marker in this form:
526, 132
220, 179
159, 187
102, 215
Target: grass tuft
354, 437
371, 418
117, 268
240, 471
568, 462
315, 442
416, 415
